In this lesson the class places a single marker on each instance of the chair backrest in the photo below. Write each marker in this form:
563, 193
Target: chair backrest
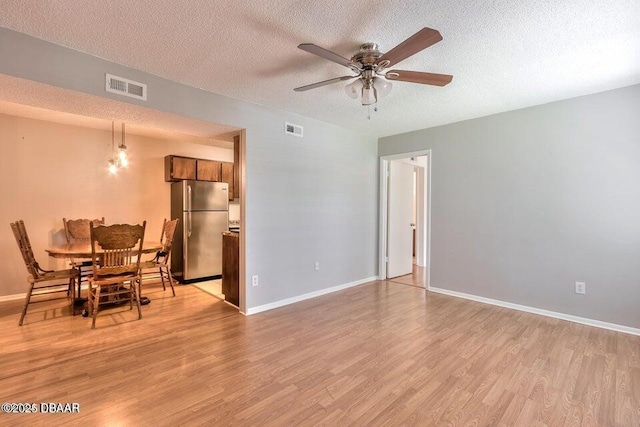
77, 230
22, 238
116, 249
168, 231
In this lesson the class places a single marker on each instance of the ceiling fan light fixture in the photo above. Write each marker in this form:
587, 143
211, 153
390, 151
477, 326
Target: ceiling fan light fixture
354, 89
369, 96
383, 87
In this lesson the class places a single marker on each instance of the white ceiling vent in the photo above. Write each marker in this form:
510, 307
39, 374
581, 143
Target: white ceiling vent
291, 129
126, 87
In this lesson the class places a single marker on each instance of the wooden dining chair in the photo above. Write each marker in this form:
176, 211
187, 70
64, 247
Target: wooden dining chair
160, 263
116, 265
77, 231
42, 282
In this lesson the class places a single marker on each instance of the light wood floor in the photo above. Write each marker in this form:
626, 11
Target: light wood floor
382, 353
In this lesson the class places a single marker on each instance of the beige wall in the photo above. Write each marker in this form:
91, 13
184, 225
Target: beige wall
49, 171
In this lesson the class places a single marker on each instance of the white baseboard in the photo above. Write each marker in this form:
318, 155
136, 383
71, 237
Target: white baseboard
542, 312
292, 300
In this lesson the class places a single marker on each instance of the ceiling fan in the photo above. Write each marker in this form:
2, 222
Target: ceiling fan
370, 66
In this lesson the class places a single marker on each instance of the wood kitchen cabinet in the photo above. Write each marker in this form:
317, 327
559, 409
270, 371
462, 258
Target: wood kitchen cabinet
227, 176
178, 168
230, 267
208, 170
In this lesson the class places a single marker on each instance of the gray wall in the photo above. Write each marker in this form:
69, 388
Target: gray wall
527, 202
308, 199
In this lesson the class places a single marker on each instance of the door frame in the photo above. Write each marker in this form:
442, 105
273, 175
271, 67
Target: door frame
384, 210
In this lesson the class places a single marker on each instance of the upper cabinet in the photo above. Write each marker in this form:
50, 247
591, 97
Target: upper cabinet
227, 176
208, 170
179, 168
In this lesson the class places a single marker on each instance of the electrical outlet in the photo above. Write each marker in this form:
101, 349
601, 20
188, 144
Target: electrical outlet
317, 266
581, 288
254, 280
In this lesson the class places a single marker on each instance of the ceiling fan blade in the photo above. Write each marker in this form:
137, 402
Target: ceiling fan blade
421, 40
324, 53
419, 77
324, 83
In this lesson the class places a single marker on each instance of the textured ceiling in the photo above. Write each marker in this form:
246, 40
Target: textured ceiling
503, 55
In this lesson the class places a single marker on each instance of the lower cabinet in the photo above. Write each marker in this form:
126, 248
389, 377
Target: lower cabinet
231, 267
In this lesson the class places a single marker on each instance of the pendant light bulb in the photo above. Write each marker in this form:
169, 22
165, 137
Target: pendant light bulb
123, 160
113, 167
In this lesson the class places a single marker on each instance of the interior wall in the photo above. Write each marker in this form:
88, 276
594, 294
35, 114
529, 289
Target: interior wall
50, 171
528, 202
307, 199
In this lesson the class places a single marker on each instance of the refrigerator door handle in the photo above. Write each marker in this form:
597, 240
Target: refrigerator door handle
189, 198
189, 226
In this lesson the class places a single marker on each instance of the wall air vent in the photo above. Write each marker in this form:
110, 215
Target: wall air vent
291, 129
126, 87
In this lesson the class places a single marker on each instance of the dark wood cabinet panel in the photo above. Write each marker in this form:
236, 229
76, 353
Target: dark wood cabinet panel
208, 170
230, 267
227, 176
179, 168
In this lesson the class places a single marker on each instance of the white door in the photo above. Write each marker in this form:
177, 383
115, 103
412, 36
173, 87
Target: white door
400, 230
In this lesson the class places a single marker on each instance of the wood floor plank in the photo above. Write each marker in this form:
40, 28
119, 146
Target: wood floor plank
383, 353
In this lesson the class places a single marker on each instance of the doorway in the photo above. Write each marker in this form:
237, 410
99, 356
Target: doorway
405, 209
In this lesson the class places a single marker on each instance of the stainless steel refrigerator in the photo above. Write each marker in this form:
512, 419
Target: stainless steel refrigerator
203, 209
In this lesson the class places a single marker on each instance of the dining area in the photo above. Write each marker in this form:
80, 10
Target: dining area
54, 172
105, 266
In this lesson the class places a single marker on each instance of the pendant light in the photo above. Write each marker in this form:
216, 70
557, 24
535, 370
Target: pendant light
119, 159
123, 159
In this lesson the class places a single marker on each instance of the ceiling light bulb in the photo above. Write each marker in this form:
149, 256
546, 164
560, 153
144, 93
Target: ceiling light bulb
368, 96
354, 89
383, 87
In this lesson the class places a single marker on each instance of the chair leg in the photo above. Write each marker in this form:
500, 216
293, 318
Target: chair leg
170, 280
95, 305
27, 300
162, 278
89, 300
135, 293
131, 284
72, 290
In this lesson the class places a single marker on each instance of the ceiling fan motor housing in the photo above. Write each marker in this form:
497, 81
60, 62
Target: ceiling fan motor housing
367, 55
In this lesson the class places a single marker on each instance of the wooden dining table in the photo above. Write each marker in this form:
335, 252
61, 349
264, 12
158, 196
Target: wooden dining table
83, 251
